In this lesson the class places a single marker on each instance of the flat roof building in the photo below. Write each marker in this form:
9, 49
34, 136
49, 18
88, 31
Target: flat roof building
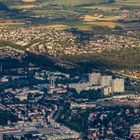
118, 85
106, 81
94, 78
107, 91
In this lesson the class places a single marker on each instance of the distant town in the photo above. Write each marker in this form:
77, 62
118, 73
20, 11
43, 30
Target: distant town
58, 43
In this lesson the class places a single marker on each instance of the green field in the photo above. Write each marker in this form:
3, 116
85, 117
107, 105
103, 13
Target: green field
72, 2
89, 2
118, 3
72, 12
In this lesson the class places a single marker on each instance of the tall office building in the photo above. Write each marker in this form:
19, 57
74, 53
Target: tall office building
94, 78
106, 81
118, 85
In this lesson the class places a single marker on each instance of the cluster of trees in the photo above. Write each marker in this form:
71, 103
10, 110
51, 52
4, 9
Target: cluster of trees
127, 59
129, 7
6, 116
3, 6
90, 94
107, 30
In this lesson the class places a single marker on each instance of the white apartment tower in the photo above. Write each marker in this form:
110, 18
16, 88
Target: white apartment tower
106, 81
118, 85
94, 78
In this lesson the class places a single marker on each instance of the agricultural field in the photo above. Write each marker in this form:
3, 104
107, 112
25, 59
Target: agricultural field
27, 6
97, 18
114, 6
72, 2
101, 23
10, 22
79, 14
57, 13
128, 2
103, 7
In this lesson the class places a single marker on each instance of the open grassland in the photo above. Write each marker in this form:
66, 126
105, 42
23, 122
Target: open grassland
123, 3
77, 24
96, 18
82, 25
129, 2
101, 23
72, 2
110, 21
102, 7
117, 5
53, 12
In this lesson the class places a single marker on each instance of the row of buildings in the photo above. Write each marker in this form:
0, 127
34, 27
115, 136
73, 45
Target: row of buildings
54, 131
97, 81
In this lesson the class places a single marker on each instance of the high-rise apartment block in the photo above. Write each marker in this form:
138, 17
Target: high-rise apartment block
94, 78
97, 81
105, 81
118, 85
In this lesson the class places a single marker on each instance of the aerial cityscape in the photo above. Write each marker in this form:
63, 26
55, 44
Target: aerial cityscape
69, 69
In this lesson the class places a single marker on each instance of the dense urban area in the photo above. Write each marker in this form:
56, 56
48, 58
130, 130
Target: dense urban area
69, 70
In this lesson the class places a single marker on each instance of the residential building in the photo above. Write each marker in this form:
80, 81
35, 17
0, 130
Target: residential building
118, 85
107, 90
94, 78
106, 81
